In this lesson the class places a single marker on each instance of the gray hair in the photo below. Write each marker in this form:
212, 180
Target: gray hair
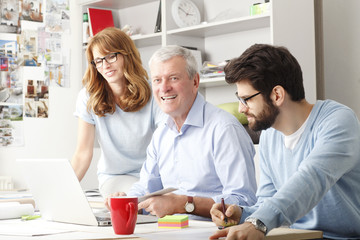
165, 53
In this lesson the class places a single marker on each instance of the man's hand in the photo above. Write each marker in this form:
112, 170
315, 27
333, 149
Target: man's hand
233, 214
161, 205
245, 231
107, 199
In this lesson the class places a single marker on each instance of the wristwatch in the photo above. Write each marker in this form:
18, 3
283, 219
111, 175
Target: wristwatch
189, 206
259, 225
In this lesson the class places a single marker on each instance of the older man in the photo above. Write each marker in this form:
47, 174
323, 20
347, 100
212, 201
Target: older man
197, 149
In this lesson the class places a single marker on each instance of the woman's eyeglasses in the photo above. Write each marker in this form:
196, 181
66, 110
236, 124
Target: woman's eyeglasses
110, 58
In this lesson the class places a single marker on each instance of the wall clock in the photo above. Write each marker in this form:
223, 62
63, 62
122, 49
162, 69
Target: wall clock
185, 13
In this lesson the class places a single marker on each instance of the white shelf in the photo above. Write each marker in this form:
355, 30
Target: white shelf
224, 27
212, 82
147, 40
114, 4
288, 24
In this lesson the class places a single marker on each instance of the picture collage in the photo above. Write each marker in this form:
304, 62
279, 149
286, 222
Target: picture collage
32, 60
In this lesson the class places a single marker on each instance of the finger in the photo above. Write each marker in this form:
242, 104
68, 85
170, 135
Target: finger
215, 207
143, 204
216, 211
107, 203
217, 217
231, 210
218, 222
219, 234
149, 210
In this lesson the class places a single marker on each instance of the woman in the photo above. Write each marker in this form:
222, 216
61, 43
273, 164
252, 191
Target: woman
116, 105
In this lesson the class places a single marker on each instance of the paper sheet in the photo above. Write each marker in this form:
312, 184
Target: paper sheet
25, 228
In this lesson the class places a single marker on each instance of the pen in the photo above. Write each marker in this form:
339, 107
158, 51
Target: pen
223, 207
29, 217
223, 211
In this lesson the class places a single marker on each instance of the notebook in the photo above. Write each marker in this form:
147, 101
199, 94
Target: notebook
59, 196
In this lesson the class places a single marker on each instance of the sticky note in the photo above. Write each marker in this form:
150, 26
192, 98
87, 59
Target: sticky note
173, 221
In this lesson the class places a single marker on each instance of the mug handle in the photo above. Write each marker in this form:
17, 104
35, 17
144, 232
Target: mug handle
130, 207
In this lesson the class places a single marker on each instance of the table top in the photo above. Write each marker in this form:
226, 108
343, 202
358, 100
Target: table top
41, 229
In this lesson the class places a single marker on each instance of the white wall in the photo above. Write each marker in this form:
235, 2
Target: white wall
54, 137
342, 52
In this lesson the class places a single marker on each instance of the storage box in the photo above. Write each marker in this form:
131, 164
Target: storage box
259, 8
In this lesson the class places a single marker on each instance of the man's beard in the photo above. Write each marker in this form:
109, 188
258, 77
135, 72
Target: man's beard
265, 119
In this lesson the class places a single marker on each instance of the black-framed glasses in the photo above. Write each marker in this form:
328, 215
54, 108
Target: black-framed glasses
110, 58
244, 100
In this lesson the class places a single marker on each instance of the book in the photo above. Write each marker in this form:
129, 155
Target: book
158, 20
284, 233
19, 200
99, 19
16, 195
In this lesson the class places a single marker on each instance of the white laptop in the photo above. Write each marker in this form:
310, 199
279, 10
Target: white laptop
58, 194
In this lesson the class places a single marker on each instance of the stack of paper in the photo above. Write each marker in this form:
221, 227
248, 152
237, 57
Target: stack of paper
173, 221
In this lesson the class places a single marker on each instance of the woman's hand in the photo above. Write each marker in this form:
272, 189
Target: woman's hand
107, 199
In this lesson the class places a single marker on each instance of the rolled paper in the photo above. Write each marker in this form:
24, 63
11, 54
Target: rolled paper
15, 210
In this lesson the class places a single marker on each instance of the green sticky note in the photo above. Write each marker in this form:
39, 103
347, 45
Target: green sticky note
174, 218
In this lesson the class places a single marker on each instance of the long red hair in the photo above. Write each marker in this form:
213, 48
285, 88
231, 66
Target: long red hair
138, 92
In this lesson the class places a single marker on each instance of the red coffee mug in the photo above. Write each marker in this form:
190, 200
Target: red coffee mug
123, 211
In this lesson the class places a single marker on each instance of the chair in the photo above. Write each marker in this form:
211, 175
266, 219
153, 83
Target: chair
232, 107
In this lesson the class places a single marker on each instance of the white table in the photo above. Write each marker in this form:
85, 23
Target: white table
51, 230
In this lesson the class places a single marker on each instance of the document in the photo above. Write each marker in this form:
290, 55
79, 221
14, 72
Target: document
157, 193
30, 228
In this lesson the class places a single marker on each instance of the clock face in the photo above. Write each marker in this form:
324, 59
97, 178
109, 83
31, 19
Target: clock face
185, 13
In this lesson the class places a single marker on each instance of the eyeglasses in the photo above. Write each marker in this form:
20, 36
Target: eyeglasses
244, 100
110, 58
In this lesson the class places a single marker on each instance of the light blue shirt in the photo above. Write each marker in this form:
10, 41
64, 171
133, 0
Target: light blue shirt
211, 156
123, 136
317, 184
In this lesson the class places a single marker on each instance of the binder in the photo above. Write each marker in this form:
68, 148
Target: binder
99, 19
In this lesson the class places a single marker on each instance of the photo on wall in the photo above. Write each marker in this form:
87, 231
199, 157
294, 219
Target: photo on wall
10, 82
37, 99
31, 10
54, 57
11, 125
28, 48
9, 16
57, 16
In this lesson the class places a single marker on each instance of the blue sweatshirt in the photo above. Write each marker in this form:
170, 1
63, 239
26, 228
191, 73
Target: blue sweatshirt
317, 184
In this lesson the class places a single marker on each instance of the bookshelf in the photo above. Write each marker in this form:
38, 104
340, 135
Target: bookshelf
225, 31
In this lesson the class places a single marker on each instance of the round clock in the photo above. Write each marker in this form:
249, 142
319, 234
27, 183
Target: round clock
185, 13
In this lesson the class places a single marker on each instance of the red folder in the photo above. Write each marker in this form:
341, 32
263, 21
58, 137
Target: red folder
99, 19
